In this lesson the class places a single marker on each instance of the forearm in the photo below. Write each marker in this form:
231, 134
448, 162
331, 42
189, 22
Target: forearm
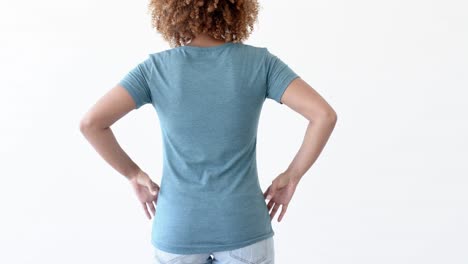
105, 143
316, 136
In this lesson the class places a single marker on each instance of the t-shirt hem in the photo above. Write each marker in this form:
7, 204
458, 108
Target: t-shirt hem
208, 249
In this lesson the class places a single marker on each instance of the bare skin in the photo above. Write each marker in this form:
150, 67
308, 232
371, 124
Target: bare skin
303, 99
96, 124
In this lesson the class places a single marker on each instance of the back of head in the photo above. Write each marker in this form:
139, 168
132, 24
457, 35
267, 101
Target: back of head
179, 21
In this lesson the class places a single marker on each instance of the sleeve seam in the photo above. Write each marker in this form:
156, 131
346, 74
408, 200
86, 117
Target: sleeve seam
284, 85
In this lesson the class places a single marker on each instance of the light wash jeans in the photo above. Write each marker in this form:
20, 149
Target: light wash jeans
261, 252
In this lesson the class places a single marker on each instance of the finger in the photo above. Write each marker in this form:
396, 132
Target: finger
272, 190
151, 206
149, 184
155, 196
151, 187
155, 187
155, 202
146, 210
284, 207
273, 204
266, 192
270, 204
273, 211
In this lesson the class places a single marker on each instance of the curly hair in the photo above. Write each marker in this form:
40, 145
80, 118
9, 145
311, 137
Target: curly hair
179, 21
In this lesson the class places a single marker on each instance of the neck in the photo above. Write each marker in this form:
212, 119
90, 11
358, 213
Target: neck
204, 40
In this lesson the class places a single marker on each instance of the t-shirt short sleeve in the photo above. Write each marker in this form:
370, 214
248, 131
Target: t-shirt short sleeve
136, 83
279, 76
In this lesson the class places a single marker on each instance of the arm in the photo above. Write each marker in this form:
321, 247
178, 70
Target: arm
302, 98
95, 126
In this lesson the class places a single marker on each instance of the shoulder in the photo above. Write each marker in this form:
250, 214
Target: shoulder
261, 50
258, 53
152, 57
262, 53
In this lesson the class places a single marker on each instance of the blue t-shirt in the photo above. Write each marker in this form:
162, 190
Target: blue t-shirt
208, 101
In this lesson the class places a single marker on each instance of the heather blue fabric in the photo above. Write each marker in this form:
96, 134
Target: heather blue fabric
208, 101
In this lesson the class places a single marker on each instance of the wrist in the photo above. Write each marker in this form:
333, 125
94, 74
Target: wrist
133, 174
295, 177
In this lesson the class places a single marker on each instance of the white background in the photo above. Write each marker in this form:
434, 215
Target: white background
389, 187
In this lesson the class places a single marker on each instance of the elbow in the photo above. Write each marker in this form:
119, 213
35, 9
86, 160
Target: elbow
331, 116
86, 124
328, 116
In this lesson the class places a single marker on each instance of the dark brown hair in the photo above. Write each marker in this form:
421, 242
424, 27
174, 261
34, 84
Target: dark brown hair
179, 21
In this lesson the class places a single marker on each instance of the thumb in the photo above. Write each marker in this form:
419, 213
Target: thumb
151, 187
271, 190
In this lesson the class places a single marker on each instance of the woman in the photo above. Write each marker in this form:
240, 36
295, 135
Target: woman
208, 90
